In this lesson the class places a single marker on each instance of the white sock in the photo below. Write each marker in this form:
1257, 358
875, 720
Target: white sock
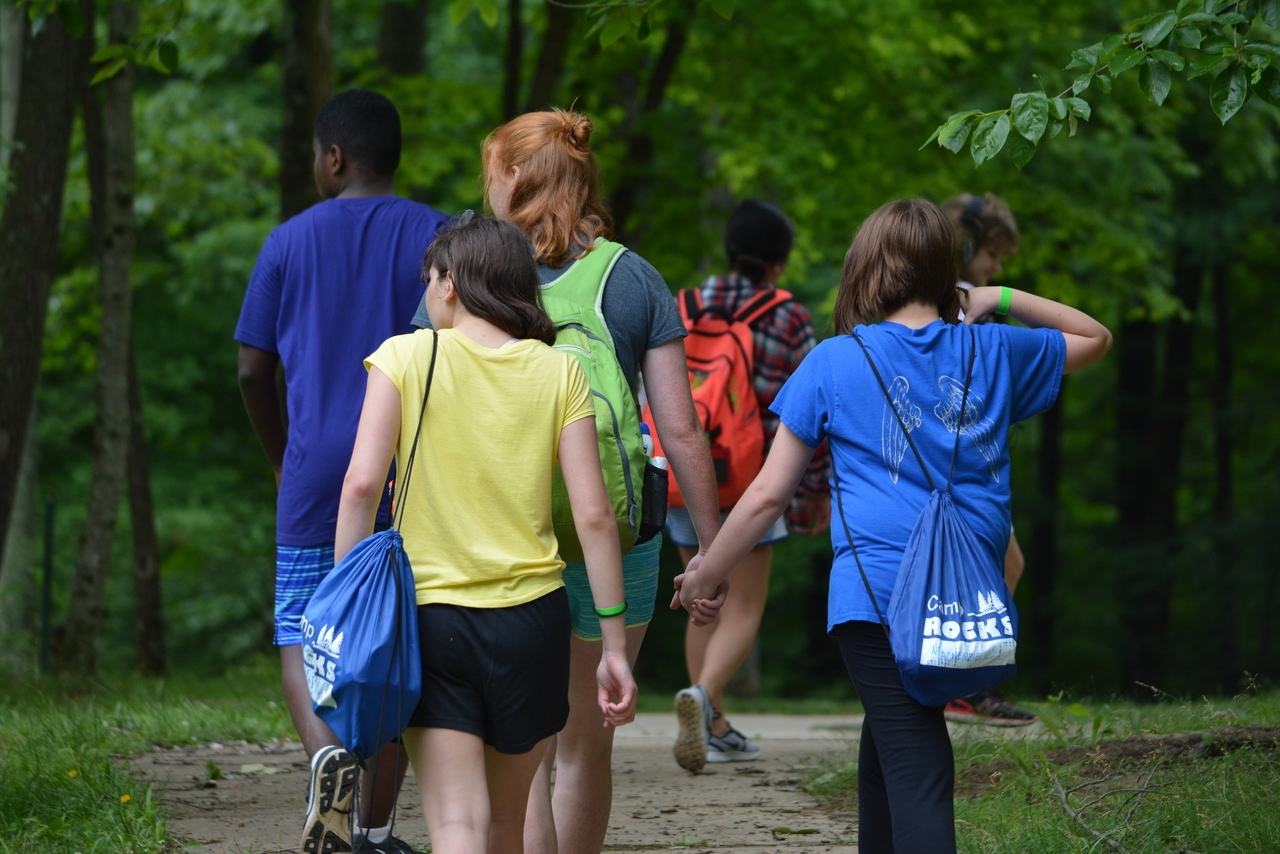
374, 834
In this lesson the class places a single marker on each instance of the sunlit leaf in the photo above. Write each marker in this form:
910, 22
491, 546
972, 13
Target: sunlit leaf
459, 9
111, 69
989, 137
488, 10
614, 28
1153, 79
110, 51
1228, 93
1030, 112
1154, 33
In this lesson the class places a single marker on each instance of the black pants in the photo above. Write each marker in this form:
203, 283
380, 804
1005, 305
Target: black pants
906, 775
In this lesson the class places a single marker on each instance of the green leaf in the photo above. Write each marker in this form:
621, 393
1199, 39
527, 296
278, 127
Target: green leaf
1171, 59
989, 138
1189, 37
111, 69
459, 9
70, 18
723, 8
1204, 64
1030, 112
1082, 82
1072, 123
614, 28
1269, 87
1232, 19
1078, 709
1265, 49
644, 30
1079, 107
111, 51
1200, 18
1215, 44
1228, 93
1055, 128
1021, 150
1270, 10
168, 55
1057, 108
1084, 58
1153, 79
1124, 59
1113, 41
488, 10
1183, 4
1104, 83
948, 129
1154, 33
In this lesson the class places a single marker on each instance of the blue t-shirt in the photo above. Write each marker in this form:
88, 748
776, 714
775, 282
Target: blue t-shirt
330, 286
835, 395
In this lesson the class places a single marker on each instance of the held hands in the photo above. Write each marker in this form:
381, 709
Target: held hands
614, 679
703, 605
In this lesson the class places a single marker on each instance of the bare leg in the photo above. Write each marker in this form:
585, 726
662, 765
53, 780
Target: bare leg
540, 822
714, 653
473, 798
1014, 563
378, 789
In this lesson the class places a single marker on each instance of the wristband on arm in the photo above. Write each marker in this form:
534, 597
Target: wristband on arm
615, 611
1006, 300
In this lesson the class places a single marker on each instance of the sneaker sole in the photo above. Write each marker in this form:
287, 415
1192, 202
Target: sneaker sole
328, 826
689, 750
721, 756
962, 718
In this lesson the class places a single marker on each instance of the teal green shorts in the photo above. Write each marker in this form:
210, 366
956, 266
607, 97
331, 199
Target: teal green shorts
640, 588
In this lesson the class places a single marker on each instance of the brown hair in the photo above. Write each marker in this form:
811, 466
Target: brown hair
981, 221
494, 275
902, 253
556, 202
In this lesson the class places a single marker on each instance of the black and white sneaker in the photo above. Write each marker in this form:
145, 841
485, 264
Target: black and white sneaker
733, 746
390, 845
334, 775
693, 712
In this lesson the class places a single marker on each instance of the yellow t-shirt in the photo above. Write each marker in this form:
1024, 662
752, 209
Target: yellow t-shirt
477, 521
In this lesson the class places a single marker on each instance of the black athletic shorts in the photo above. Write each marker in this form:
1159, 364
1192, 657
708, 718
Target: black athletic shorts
499, 673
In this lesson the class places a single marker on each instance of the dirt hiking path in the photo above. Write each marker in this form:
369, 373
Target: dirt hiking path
753, 807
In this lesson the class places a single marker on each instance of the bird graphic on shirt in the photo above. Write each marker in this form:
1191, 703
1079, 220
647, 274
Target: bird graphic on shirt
893, 440
972, 423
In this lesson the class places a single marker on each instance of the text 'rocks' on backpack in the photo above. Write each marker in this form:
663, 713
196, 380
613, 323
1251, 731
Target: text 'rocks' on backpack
721, 356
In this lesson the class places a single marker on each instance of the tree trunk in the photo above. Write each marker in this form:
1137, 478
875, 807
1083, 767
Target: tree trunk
78, 651
19, 559
13, 30
52, 71
1224, 498
551, 56
1044, 531
640, 143
1175, 395
146, 554
307, 75
403, 36
1140, 572
515, 51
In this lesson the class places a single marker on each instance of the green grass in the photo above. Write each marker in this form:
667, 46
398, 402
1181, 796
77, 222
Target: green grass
65, 783
1228, 803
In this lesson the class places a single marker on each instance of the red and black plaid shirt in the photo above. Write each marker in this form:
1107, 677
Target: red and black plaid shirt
783, 337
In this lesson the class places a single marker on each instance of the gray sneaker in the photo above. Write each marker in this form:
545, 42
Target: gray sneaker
733, 746
333, 784
693, 711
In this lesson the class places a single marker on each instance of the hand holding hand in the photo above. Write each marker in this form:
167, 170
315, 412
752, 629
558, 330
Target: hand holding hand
614, 679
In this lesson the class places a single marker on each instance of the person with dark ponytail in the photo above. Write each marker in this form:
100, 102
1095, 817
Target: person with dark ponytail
758, 242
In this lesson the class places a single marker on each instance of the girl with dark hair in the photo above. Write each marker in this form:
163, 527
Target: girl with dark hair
758, 242
901, 270
541, 175
503, 409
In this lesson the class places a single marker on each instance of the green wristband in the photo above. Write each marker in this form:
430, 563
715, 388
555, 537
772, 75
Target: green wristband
1006, 300
615, 611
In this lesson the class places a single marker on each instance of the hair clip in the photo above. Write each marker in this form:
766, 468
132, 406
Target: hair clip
466, 216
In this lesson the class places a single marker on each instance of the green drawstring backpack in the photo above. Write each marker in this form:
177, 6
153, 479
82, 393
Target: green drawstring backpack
573, 302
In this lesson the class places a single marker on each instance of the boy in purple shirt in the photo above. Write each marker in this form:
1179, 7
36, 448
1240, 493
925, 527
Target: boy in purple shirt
330, 285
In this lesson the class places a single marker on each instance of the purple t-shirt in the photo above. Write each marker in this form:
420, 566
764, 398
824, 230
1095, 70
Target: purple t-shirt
330, 286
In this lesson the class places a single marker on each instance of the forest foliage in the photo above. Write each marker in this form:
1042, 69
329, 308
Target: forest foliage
1160, 220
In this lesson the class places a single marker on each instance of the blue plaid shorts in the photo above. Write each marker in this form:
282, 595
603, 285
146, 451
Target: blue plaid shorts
299, 572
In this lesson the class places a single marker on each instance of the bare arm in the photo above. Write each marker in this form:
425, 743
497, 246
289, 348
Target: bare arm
666, 384
764, 501
256, 372
598, 533
1087, 339
376, 440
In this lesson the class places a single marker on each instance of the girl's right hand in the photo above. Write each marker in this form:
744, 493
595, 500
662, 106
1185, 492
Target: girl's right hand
614, 679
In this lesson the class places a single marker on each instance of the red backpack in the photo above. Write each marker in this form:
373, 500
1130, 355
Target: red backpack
721, 355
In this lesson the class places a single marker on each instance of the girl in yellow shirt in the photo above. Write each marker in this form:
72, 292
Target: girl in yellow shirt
504, 409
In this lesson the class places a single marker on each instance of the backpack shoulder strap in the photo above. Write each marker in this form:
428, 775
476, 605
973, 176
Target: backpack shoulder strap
889, 399
761, 304
690, 302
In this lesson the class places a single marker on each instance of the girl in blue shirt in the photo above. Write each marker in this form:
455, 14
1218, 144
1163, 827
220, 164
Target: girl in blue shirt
901, 269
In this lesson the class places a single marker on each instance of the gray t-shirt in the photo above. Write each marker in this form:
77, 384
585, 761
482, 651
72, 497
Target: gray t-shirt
638, 308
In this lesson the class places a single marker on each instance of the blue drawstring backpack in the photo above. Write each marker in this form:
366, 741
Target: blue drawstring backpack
360, 634
951, 631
